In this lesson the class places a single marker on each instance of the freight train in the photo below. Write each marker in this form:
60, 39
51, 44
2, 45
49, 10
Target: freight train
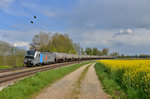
35, 58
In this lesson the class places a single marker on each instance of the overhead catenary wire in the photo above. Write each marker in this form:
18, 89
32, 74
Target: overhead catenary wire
8, 26
11, 16
34, 16
17, 11
26, 9
31, 21
5, 25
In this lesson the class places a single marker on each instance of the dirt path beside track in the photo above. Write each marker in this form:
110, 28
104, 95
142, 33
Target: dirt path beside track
62, 88
89, 87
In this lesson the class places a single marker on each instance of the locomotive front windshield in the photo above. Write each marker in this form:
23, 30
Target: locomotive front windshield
30, 54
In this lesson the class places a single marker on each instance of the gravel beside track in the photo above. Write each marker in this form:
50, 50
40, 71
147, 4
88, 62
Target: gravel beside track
20, 74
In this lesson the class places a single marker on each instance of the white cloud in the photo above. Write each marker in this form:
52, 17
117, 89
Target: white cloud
124, 32
20, 44
129, 31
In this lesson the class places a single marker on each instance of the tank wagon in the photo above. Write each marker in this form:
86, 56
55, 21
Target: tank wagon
33, 58
60, 57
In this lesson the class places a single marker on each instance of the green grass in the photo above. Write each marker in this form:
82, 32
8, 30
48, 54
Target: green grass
109, 85
25, 88
5, 67
13, 60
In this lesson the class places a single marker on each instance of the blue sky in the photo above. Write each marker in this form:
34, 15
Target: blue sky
120, 25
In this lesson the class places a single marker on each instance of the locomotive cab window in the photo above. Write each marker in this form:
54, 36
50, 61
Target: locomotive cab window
30, 52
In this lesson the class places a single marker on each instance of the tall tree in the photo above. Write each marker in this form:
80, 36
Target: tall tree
82, 51
100, 53
40, 41
115, 54
10, 55
95, 51
122, 56
62, 43
105, 51
88, 51
5, 48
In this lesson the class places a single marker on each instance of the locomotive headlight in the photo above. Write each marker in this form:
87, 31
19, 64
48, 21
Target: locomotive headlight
25, 61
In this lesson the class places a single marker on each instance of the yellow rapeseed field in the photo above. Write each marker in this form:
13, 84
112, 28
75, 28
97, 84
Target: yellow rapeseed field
131, 73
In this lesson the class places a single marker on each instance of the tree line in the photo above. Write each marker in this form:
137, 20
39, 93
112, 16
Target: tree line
62, 43
10, 55
44, 42
96, 51
134, 56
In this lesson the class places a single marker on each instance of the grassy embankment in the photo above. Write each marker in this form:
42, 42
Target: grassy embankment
25, 88
11, 61
5, 67
109, 85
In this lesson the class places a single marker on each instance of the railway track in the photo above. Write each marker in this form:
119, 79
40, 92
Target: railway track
12, 69
20, 74
20, 68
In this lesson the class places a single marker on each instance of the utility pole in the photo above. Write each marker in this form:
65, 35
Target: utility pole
79, 53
